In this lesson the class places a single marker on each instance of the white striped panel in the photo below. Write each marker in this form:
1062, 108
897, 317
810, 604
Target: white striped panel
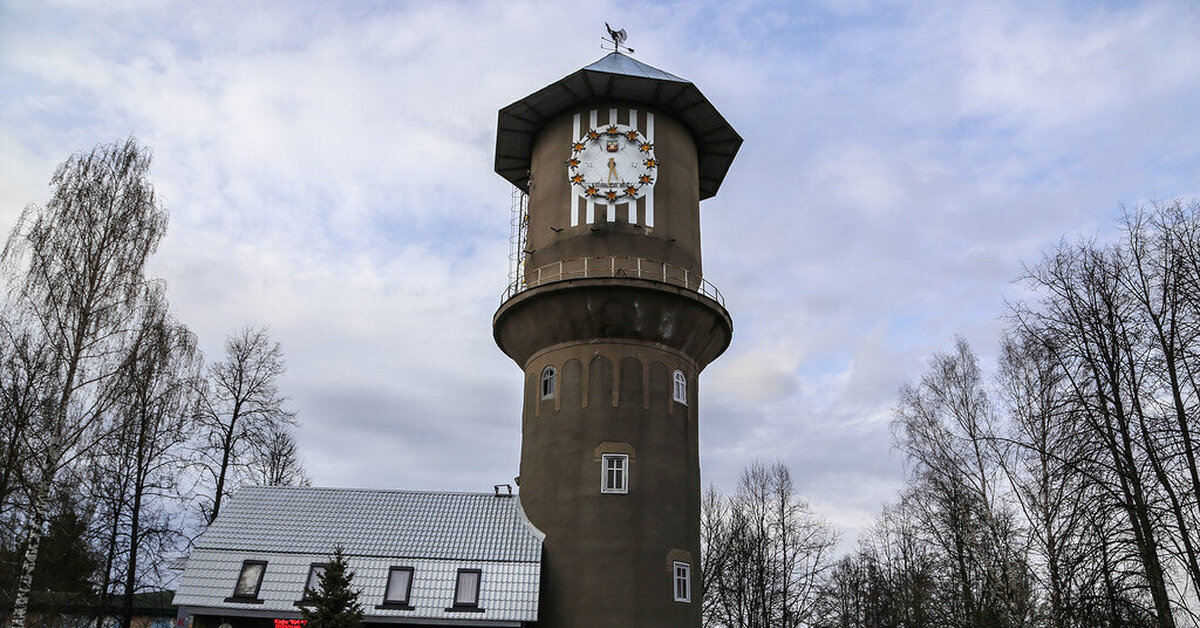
633, 211
650, 196
594, 120
612, 116
633, 119
612, 212
573, 207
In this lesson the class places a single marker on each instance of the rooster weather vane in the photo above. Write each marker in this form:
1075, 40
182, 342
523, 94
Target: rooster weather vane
617, 39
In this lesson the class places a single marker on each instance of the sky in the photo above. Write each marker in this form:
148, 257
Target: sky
328, 172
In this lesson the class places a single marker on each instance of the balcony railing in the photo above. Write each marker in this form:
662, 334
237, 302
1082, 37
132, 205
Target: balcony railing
632, 267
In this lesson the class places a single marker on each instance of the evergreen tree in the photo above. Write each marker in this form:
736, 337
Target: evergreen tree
335, 603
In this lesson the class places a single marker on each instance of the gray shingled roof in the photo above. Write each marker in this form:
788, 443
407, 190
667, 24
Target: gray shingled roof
617, 77
434, 533
479, 526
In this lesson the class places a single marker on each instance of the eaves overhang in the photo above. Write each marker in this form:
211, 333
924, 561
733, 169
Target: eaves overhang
622, 78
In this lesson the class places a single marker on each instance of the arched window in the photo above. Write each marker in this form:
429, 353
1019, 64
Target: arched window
680, 388
549, 385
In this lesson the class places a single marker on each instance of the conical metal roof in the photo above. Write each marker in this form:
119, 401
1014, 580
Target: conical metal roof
617, 77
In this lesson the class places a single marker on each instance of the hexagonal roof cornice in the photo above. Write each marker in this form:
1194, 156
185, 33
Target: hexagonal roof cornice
617, 77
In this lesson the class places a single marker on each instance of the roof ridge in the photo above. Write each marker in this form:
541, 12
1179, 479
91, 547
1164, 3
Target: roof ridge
351, 489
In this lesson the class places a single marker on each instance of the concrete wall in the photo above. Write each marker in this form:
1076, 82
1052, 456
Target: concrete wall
608, 557
675, 236
615, 342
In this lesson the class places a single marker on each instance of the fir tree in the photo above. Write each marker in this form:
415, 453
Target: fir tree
335, 603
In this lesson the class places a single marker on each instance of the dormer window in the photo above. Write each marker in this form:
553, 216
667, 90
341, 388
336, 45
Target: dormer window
549, 382
311, 586
679, 389
399, 588
249, 581
466, 590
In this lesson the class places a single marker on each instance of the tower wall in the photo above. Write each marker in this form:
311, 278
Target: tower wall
673, 234
609, 557
612, 299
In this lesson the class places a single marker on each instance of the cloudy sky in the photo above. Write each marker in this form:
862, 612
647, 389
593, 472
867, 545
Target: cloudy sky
328, 170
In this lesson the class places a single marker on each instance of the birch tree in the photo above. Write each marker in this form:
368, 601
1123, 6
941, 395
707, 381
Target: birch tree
78, 269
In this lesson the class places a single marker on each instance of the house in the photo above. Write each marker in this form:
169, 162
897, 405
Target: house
419, 558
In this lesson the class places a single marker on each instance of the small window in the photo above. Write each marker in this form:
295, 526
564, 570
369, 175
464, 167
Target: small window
313, 584
250, 579
679, 390
683, 582
549, 377
399, 586
466, 589
615, 469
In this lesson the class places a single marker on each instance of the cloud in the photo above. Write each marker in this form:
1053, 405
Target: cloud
328, 171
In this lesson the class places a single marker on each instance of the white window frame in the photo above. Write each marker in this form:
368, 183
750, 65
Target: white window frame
683, 582
679, 387
621, 486
548, 385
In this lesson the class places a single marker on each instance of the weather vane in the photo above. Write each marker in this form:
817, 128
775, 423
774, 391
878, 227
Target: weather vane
617, 39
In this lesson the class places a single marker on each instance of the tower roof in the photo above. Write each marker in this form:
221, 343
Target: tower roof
617, 77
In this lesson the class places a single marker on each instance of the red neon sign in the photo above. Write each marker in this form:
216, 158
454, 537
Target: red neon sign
290, 623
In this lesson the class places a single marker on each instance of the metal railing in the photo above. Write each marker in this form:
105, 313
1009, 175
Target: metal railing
632, 267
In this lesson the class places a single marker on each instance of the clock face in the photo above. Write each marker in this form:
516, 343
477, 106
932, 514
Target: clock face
612, 164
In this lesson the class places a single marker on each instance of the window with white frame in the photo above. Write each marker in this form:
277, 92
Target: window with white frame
615, 473
683, 582
679, 390
549, 382
466, 588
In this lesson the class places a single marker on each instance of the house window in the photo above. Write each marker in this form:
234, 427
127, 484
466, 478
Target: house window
679, 390
313, 584
615, 473
683, 582
466, 589
249, 580
549, 377
399, 586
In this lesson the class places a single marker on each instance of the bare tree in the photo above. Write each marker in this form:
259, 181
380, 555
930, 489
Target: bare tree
945, 425
79, 263
155, 406
767, 552
240, 408
1091, 323
26, 378
276, 461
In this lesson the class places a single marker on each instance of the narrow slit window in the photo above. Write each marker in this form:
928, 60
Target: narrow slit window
615, 473
466, 588
549, 382
679, 390
683, 582
313, 584
249, 579
399, 586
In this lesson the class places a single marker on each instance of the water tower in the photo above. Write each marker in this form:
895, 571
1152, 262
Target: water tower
612, 321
